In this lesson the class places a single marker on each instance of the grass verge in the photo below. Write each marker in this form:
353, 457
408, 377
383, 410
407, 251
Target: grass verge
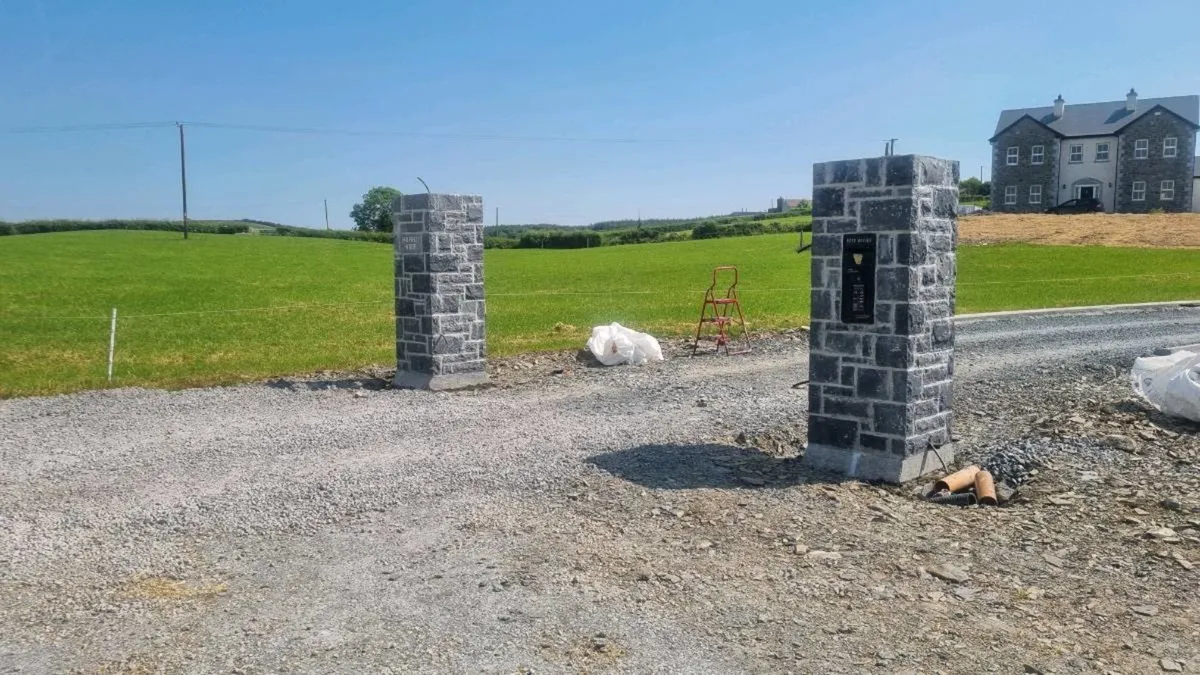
219, 309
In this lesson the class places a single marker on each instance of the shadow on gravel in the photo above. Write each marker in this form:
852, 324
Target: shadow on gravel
365, 382
713, 465
1175, 424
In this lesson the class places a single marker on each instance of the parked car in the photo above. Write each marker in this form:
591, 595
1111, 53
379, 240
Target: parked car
1081, 205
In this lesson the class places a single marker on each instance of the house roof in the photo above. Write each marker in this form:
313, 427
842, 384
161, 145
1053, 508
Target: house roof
1100, 119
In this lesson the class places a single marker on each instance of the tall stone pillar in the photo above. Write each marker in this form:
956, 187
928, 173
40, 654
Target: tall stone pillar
882, 340
439, 291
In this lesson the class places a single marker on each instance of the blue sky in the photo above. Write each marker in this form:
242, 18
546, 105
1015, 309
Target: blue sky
732, 102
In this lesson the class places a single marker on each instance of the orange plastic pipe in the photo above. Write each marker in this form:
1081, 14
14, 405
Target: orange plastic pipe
985, 488
959, 480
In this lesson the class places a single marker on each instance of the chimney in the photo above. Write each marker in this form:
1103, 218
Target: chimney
1131, 100
1059, 107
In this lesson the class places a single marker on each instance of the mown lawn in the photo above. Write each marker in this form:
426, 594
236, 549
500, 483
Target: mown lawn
222, 308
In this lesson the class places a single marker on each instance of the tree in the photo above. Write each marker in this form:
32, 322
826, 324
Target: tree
374, 212
973, 188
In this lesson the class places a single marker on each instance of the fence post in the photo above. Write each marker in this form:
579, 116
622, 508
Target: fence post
112, 342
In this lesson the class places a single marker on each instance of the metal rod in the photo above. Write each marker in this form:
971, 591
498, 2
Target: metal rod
112, 342
183, 178
326, 214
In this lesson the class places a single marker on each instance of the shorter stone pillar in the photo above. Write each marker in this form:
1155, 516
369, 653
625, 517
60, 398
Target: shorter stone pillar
439, 291
882, 340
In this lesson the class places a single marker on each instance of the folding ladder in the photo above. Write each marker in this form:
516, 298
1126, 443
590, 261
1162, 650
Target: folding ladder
725, 312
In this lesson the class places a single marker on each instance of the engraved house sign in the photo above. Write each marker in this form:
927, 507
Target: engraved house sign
858, 278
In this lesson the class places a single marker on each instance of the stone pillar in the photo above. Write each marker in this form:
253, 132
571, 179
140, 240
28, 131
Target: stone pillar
882, 340
439, 291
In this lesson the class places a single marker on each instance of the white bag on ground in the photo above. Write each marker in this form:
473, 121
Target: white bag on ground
615, 344
1170, 383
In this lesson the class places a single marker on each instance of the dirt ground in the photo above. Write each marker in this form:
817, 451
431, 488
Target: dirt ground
1164, 230
574, 519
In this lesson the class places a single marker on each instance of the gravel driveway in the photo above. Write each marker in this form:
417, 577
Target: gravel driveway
574, 519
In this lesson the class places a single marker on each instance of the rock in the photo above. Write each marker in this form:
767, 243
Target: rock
1033, 670
1170, 665
1161, 533
823, 555
800, 549
704, 544
1171, 505
702, 403
1054, 560
1145, 610
1183, 562
948, 572
1122, 443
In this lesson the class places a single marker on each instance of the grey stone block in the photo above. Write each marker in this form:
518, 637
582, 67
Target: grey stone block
825, 430
900, 170
873, 384
888, 215
829, 202
849, 171
845, 407
824, 369
874, 171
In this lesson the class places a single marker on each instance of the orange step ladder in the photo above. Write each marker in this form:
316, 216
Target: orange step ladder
725, 312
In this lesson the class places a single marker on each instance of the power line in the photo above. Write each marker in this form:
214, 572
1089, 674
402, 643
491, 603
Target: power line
70, 128
267, 128
428, 134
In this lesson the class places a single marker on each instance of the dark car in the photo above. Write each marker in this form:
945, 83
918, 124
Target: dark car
1081, 205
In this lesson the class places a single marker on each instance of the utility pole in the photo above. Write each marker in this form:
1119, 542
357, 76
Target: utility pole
183, 178
497, 223
326, 214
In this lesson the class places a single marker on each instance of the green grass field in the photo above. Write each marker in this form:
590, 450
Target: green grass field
222, 309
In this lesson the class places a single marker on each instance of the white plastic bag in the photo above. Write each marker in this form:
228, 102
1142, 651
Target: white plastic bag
615, 344
1170, 383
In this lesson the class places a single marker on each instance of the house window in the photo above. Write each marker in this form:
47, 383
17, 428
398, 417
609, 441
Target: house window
1076, 154
1139, 191
1014, 153
1035, 194
1038, 155
1166, 191
1010, 195
1102, 152
1170, 146
1141, 148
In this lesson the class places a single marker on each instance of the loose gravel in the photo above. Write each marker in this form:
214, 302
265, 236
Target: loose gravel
573, 518
1016, 461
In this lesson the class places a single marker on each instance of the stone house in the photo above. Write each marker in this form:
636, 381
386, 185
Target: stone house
784, 205
1132, 155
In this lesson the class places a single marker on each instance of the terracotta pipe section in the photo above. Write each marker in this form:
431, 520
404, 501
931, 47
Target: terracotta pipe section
959, 480
960, 499
985, 488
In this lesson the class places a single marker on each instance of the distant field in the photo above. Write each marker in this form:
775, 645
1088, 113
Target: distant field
222, 309
1162, 230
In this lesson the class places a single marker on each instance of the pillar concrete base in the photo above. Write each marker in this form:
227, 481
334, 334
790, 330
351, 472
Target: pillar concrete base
409, 380
868, 465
